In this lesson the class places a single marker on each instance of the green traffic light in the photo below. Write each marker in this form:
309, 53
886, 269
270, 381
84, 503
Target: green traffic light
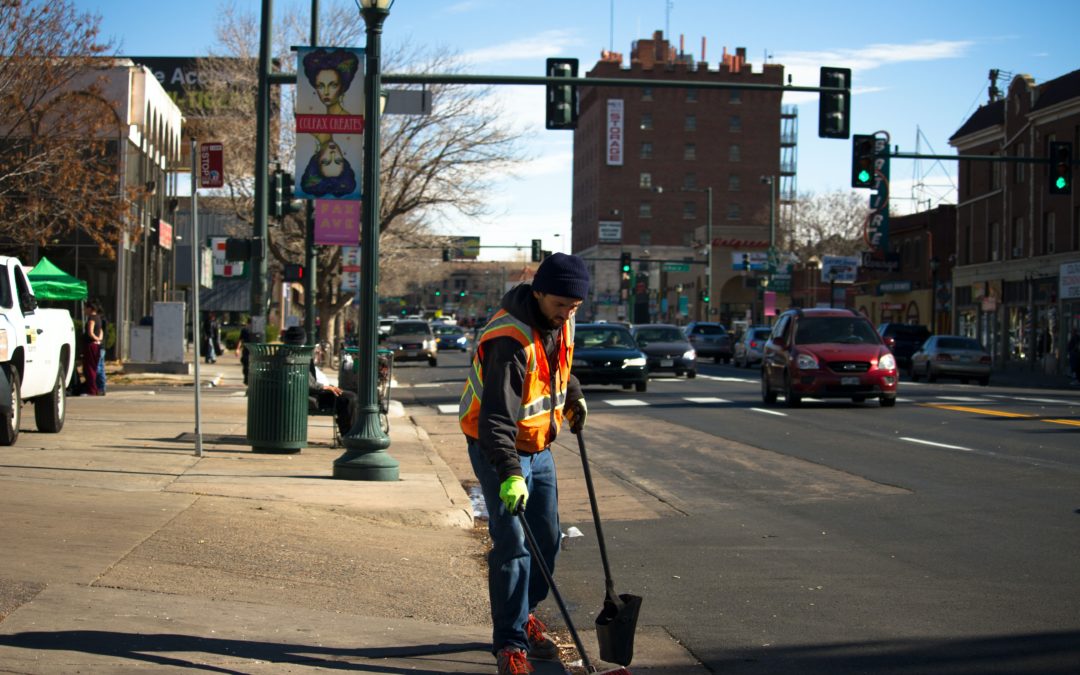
1061, 183
864, 176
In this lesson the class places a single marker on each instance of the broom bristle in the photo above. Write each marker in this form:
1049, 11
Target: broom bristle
618, 671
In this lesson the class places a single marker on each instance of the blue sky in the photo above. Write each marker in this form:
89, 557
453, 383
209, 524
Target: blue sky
919, 66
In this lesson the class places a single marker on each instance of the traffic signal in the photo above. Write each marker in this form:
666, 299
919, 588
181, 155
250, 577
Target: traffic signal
562, 99
624, 262
862, 161
1060, 168
292, 272
288, 203
437, 292
277, 201
704, 296
834, 108
537, 254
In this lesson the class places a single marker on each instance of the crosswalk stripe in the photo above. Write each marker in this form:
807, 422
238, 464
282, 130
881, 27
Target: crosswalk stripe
770, 412
625, 402
448, 408
705, 399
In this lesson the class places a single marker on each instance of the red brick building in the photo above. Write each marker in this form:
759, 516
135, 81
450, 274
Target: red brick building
646, 161
1017, 275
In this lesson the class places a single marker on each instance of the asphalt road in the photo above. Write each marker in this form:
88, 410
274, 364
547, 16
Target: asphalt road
939, 536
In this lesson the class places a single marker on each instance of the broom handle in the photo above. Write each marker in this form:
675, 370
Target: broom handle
554, 590
608, 582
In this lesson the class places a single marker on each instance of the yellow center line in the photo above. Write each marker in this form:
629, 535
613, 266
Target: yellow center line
977, 411
998, 413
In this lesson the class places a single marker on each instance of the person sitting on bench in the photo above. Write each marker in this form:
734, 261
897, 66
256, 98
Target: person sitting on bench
323, 396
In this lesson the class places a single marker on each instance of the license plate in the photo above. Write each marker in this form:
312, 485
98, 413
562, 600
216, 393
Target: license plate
849, 381
667, 363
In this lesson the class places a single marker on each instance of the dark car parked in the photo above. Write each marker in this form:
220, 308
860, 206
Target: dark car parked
907, 338
606, 353
667, 349
709, 339
827, 353
449, 336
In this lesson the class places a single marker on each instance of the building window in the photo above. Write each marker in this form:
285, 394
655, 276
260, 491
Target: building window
734, 154
646, 93
646, 180
644, 210
734, 212
689, 151
691, 95
967, 245
646, 150
689, 181
689, 210
735, 123
690, 123
1048, 232
733, 183
994, 236
995, 175
1017, 238
735, 96
645, 238
646, 121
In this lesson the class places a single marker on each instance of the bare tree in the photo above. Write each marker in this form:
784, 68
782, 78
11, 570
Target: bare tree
431, 164
60, 138
829, 224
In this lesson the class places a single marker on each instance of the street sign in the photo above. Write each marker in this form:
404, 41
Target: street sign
676, 267
211, 165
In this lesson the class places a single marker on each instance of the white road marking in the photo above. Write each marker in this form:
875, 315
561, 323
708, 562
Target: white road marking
625, 402
964, 399
935, 444
705, 399
905, 400
448, 409
717, 378
427, 385
770, 412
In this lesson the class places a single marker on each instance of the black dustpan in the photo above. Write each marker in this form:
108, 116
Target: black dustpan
617, 621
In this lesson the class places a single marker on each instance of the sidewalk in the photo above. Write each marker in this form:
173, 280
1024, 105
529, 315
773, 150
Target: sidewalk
127, 553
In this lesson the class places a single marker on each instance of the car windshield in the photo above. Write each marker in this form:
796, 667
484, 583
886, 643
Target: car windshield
445, 330
660, 335
958, 343
709, 330
585, 338
408, 328
817, 330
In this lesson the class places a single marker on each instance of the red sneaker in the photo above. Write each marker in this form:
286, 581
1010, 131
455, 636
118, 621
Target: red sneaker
541, 646
512, 661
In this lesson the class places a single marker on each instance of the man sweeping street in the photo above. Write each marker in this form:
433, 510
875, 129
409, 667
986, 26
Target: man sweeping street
518, 390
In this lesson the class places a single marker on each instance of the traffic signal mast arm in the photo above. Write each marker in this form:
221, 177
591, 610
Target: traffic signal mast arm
432, 78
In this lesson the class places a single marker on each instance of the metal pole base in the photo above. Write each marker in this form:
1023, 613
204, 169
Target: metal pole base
365, 455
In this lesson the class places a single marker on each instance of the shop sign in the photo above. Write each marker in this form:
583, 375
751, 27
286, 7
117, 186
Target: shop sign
1069, 281
894, 287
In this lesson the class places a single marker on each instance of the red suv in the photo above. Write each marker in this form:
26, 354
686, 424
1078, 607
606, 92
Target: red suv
827, 353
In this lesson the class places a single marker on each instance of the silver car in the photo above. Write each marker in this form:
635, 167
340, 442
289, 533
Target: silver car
749, 347
951, 356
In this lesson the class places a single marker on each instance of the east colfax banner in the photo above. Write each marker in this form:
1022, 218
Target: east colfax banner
330, 139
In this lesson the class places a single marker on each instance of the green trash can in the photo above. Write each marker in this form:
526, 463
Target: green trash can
277, 415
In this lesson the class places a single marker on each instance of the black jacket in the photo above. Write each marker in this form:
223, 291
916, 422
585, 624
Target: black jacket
504, 364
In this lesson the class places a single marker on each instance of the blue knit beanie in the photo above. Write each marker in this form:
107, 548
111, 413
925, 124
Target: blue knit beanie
562, 274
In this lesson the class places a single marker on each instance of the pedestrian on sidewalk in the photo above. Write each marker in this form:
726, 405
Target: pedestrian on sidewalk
91, 354
103, 326
1073, 349
242, 351
511, 411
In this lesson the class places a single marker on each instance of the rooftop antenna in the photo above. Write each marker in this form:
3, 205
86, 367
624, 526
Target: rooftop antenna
611, 28
668, 4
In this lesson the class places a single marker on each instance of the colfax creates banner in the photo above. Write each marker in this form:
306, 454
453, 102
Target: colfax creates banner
329, 123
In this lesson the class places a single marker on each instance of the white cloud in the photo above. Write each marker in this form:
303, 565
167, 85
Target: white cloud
550, 42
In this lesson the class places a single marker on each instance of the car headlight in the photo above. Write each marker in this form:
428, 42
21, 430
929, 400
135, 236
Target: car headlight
462, 340
689, 355
887, 362
429, 344
635, 362
806, 362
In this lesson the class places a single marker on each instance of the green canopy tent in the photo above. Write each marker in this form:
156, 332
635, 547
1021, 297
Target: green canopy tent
52, 283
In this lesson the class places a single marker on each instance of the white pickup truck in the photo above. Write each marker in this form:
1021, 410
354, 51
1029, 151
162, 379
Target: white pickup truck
37, 355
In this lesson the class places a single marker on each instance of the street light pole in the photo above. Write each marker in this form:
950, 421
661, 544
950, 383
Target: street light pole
365, 444
934, 264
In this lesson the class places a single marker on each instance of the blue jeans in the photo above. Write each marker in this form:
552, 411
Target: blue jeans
101, 371
515, 584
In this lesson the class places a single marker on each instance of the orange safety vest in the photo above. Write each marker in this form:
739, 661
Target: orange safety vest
537, 419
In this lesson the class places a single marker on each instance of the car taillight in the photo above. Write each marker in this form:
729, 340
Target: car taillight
943, 357
753, 344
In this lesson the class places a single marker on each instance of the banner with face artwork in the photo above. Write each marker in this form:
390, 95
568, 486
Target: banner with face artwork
329, 123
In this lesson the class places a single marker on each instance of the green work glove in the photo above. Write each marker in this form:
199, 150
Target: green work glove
575, 415
512, 491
